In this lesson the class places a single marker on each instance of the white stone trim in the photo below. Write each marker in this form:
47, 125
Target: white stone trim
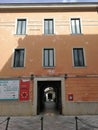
36, 79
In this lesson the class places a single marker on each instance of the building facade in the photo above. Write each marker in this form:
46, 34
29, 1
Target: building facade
45, 47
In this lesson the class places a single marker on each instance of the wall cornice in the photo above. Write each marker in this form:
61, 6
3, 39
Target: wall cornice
50, 6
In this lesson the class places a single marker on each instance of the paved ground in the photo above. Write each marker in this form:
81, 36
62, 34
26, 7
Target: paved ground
50, 122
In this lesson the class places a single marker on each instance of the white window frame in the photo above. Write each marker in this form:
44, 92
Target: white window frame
13, 58
53, 26
85, 65
43, 57
80, 25
16, 25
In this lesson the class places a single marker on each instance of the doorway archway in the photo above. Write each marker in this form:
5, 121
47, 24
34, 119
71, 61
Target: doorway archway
49, 93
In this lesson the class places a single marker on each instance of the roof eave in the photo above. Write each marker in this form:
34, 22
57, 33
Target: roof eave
71, 5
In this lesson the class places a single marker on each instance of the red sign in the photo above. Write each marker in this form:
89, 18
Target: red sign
24, 90
70, 97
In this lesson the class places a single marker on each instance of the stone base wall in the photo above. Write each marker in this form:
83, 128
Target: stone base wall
81, 108
15, 108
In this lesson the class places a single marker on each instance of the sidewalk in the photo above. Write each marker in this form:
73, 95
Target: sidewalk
51, 122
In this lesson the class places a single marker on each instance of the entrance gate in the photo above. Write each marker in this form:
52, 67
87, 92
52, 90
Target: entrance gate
41, 95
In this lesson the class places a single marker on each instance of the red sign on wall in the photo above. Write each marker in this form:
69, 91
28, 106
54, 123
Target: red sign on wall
70, 97
24, 90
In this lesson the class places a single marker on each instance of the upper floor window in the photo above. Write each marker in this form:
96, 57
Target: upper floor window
18, 58
75, 26
48, 26
48, 57
21, 27
78, 56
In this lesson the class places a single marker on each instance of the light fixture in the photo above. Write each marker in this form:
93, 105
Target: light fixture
65, 76
32, 76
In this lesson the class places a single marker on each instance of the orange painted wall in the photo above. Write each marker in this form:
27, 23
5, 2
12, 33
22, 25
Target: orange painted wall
63, 46
82, 89
62, 41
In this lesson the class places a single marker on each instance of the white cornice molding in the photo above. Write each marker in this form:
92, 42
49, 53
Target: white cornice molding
49, 5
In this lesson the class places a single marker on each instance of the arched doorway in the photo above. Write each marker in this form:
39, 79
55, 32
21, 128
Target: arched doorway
49, 96
49, 93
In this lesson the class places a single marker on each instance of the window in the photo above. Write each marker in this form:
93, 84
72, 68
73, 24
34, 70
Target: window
18, 58
78, 56
48, 57
21, 26
48, 26
75, 26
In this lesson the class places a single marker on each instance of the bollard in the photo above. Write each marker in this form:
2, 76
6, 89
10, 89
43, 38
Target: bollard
7, 123
41, 123
76, 118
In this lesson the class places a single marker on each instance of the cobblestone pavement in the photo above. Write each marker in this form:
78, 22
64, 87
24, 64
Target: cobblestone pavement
51, 121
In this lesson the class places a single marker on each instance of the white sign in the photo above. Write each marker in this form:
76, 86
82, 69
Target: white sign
9, 89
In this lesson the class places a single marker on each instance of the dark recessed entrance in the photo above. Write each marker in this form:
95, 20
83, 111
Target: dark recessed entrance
49, 96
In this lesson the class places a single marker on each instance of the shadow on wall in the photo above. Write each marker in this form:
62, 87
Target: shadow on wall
33, 46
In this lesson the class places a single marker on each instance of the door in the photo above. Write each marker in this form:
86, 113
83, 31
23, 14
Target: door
41, 86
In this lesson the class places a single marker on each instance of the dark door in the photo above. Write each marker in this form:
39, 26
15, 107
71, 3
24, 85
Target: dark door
41, 97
